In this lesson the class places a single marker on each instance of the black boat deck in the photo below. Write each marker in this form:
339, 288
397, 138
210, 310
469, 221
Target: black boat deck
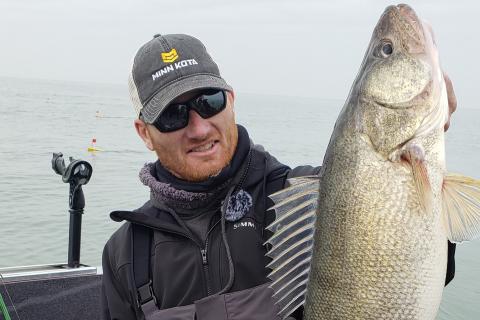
51, 292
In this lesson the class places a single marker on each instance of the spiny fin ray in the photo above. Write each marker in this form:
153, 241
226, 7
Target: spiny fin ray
292, 242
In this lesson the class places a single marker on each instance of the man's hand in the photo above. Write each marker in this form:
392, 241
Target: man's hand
452, 100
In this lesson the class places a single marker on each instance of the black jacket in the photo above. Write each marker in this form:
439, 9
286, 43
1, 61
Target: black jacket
181, 274
185, 270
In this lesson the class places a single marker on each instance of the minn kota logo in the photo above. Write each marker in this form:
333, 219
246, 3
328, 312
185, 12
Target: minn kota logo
169, 57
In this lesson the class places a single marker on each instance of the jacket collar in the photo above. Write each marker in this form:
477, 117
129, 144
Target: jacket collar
161, 218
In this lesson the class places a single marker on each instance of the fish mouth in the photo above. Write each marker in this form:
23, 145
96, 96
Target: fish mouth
415, 101
407, 24
409, 16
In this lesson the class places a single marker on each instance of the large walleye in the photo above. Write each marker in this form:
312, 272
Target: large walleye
369, 241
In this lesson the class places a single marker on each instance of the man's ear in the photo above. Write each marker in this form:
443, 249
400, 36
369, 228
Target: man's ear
143, 133
231, 98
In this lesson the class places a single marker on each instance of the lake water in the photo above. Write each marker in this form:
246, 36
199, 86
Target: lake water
39, 117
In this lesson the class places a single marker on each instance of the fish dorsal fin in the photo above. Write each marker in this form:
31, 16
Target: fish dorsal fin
461, 207
292, 242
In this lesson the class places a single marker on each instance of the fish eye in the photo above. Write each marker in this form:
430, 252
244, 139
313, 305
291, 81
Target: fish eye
387, 49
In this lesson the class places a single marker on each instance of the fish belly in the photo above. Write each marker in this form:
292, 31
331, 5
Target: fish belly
377, 254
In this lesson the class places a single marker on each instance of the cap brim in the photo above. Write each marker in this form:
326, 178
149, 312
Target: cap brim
168, 93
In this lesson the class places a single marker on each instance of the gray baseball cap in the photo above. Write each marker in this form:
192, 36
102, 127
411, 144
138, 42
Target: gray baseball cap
166, 67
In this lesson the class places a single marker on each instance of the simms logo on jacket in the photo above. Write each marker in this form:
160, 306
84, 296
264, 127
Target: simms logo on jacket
245, 224
169, 57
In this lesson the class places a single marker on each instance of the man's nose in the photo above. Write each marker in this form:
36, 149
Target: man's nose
198, 128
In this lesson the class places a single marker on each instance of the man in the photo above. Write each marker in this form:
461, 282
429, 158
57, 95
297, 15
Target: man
196, 248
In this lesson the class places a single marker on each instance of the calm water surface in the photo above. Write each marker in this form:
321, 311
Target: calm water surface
41, 117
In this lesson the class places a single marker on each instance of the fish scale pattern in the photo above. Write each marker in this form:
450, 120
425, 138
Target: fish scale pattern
376, 254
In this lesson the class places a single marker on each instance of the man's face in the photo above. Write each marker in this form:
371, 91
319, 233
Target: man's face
198, 151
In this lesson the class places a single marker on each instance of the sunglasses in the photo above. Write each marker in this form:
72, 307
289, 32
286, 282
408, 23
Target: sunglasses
206, 104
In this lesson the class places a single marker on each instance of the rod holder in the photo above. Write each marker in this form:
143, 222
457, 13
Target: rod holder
76, 174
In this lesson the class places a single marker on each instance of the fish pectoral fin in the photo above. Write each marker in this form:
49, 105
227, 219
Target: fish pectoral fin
415, 156
292, 242
461, 207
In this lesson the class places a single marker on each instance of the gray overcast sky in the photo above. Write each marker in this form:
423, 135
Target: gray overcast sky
304, 48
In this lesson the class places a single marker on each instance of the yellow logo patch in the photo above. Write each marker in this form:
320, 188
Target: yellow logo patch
169, 57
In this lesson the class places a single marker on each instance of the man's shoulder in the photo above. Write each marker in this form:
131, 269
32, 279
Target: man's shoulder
302, 171
118, 246
260, 155
276, 169
121, 235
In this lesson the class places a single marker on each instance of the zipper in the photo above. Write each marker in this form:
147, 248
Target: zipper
204, 256
204, 253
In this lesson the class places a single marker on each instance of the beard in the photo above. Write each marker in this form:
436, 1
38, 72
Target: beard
201, 170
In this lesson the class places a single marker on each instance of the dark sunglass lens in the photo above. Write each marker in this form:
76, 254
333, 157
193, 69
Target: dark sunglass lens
174, 117
210, 103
